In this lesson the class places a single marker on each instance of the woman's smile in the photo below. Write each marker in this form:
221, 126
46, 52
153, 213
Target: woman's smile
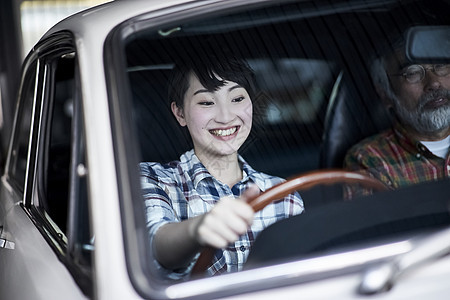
226, 132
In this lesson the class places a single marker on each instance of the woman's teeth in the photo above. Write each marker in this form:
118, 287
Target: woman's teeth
224, 132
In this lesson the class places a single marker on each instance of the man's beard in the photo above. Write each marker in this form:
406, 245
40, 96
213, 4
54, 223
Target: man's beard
423, 119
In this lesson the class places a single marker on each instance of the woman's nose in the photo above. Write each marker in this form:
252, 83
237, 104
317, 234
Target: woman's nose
225, 113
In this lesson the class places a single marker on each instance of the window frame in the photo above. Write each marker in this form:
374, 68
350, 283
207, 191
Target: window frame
127, 178
64, 244
34, 69
136, 253
134, 230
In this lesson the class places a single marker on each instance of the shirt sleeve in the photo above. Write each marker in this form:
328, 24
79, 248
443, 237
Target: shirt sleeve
354, 160
294, 204
360, 160
291, 205
159, 211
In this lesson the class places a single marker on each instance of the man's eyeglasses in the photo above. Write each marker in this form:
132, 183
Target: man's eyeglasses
416, 73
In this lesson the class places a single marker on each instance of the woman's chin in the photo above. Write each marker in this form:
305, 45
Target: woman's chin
218, 151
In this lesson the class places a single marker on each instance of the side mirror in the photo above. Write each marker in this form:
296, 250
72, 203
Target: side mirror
428, 44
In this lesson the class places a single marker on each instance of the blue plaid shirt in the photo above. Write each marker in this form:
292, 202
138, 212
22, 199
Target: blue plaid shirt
184, 189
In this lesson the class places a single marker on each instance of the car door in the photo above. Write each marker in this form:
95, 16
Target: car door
44, 215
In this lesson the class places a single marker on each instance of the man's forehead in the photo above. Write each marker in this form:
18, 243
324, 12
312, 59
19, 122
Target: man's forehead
397, 59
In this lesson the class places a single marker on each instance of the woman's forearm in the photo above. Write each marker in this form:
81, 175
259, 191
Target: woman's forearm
176, 243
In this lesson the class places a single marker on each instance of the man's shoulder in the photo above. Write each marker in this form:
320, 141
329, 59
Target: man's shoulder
377, 141
372, 150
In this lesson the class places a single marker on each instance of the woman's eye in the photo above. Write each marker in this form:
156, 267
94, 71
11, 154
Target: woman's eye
206, 103
239, 99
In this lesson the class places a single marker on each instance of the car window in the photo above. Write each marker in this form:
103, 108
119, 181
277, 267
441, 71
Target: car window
312, 62
295, 70
18, 160
59, 198
57, 152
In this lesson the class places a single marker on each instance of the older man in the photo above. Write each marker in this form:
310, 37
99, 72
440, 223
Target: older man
416, 148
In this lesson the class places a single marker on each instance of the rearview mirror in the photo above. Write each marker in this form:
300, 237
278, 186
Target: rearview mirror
428, 44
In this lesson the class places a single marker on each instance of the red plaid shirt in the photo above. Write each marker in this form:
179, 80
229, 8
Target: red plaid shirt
396, 159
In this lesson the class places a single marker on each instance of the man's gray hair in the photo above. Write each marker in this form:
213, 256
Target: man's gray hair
378, 66
380, 78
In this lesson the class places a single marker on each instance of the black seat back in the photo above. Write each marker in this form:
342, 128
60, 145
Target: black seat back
161, 138
353, 114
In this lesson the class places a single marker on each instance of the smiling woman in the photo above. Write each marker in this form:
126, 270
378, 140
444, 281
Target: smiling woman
200, 200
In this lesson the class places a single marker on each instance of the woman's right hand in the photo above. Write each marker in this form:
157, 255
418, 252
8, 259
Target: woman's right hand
230, 218
178, 242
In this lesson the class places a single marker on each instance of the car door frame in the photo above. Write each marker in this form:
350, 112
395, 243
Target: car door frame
37, 247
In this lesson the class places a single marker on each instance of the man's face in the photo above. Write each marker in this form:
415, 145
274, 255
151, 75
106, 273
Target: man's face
423, 106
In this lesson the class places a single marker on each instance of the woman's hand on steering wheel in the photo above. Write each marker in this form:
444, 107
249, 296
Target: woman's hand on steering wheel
301, 182
230, 218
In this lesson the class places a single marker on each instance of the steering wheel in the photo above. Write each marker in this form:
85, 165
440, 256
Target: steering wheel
300, 182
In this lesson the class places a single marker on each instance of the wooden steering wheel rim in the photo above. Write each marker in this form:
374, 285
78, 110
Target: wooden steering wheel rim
311, 179
300, 182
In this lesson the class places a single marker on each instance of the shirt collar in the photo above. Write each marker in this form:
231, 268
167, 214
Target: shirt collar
251, 174
191, 165
410, 144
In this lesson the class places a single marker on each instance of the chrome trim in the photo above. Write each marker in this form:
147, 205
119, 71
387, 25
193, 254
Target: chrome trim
382, 277
294, 271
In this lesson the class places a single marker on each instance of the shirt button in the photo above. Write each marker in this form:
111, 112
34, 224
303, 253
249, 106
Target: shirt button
242, 248
418, 155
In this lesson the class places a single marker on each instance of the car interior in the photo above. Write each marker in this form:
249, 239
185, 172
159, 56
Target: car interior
313, 64
315, 72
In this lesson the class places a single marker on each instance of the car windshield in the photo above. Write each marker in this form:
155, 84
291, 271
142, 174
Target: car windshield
316, 97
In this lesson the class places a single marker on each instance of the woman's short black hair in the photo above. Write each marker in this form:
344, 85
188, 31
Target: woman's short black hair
212, 72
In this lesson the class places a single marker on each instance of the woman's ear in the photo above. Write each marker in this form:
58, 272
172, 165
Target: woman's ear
178, 113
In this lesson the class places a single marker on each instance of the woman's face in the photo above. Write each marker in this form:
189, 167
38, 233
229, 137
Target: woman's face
218, 121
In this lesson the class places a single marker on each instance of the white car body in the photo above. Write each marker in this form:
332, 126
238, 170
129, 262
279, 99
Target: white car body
30, 268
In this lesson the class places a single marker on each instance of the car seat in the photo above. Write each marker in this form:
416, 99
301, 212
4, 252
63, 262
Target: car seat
161, 138
354, 112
